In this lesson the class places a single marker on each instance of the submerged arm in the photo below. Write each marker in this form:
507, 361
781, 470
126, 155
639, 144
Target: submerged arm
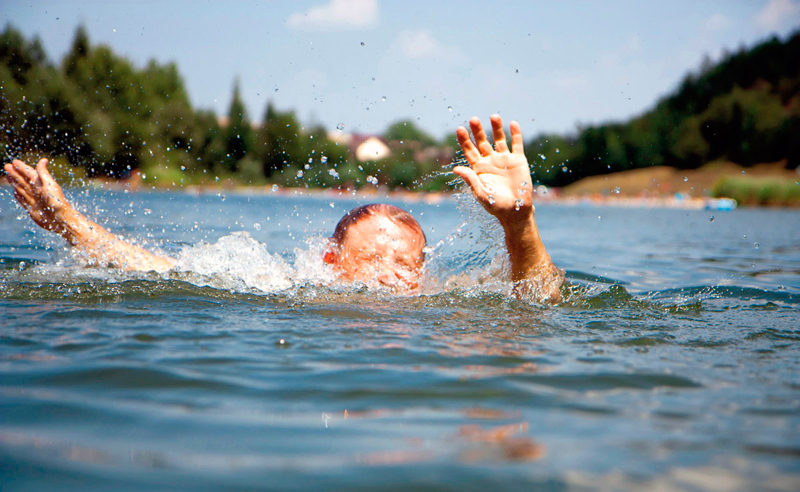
500, 179
41, 196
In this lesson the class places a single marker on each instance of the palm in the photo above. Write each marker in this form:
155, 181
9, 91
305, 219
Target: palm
506, 179
500, 178
37, 191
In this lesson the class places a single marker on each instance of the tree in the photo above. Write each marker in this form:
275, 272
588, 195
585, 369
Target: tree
80, 50
238, 133
407, 131
280, 140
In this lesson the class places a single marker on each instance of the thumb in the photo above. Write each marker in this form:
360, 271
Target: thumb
44, 174
472, 179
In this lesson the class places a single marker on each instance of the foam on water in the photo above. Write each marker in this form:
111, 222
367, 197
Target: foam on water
236, 262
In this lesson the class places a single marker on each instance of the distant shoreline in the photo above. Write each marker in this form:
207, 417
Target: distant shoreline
655, 187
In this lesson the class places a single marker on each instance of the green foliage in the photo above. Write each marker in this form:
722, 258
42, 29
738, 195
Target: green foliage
407, 131
101, 115
745, 109
238, 133
280, 140
98, 111
758, 191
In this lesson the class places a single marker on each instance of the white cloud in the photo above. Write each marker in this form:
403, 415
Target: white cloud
717, 22
420, 44
778, 13
337, 15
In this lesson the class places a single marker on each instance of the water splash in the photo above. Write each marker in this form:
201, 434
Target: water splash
240, 263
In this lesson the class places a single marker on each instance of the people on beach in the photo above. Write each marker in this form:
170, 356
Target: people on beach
374, 244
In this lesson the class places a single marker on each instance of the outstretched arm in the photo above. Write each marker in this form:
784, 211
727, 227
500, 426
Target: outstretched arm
41, 196
501, 181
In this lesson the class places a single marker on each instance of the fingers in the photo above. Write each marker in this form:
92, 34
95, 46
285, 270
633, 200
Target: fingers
17, 180
517, 145
472, 179
24, 198
500, 144
470, 151
481, 141
24, 170
44, 174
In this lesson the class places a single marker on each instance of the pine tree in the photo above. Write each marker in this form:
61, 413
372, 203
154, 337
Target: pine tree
79, 51
238, 134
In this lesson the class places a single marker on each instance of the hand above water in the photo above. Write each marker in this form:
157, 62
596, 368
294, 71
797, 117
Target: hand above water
499, 178
42, 197
37, 191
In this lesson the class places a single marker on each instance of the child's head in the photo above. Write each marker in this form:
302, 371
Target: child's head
378, 243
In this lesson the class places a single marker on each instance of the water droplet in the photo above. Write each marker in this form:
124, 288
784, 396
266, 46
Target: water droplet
300, 173
340, 127
331, 204
491, 200
617, 190
372, 180
450, 108
755, 245
307, 167
274, 188
518, 203
685, 179
333, 173
323, 159
517, 70
542, 157
557, 151
257, 226
565, 169
223, 197
383, 99
523, 185
743, 172
363, 43
711, 218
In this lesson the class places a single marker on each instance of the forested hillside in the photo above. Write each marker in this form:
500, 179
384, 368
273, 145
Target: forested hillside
745, 109
107, 117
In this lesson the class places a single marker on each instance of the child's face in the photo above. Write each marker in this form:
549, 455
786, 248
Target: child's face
378, 251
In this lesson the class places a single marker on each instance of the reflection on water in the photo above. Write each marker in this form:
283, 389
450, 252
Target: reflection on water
671, 364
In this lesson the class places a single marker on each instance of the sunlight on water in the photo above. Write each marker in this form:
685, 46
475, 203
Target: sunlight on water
670, 359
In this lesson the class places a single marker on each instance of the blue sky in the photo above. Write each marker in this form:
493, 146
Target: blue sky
550, 65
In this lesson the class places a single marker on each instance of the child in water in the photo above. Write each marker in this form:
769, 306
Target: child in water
374, 244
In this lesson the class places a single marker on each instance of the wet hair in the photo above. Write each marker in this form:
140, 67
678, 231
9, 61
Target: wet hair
396, 214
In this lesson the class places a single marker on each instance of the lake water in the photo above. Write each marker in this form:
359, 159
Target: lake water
673, 364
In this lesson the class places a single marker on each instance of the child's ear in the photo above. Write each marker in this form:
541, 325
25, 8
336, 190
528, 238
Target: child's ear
329, 256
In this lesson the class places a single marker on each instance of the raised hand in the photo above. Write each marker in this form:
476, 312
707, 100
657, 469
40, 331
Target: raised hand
501, 181
500, 178
39, 194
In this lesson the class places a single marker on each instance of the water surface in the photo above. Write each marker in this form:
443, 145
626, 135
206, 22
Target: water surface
672, 363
